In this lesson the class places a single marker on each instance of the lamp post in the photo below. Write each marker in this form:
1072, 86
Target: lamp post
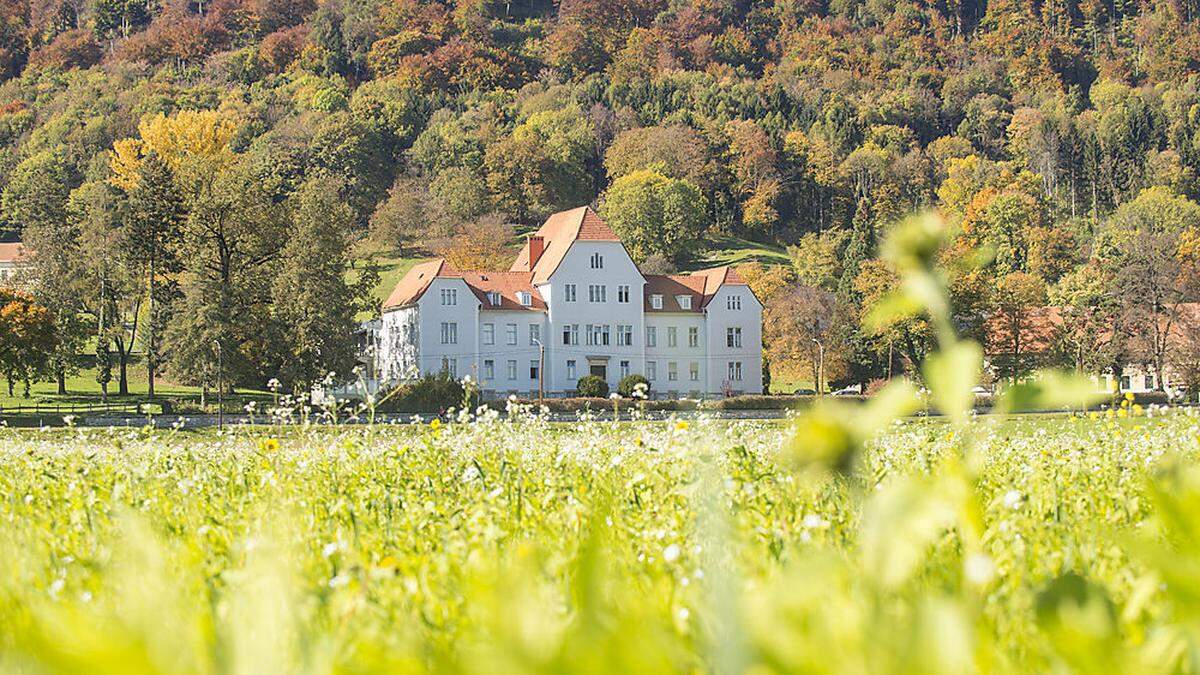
541, 372
220, 388
820, 367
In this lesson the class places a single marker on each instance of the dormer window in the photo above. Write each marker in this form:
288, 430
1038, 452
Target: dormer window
525, 298
597, 261
494, 299
685, 301
656, 301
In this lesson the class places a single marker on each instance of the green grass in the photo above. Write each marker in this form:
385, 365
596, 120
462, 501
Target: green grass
734, 251
522, 547
83, 390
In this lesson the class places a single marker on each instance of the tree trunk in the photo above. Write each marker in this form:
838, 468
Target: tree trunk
61, 377
151, 336
123, 374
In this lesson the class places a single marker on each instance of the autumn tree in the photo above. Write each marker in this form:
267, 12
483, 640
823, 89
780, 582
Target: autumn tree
654, 214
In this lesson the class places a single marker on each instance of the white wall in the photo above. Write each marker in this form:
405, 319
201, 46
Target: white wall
500, 353
682, 354
432, 313
576, 269
399, 344
719, 318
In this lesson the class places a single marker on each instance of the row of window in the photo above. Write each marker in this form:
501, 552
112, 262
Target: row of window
597, 293
596, 335
733, 373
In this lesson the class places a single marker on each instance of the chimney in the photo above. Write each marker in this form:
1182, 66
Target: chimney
537, 246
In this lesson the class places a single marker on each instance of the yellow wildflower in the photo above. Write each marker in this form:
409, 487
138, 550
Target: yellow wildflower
681, 426
435, 424
270, 445
1129, 396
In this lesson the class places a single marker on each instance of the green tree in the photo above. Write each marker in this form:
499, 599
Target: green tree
313, 304
654, 214
152, 219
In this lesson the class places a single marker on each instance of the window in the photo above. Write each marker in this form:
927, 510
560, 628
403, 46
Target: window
489, 334
571, 370
494, 299
624, 336
571, 334
449, 296
597, 293
597, 336
535, 335
622, 294
672, 337
1126, 383
489, 370
1150, 381
652, 370
624, 369
511, 329
733, 337
571, 292
694, 371
597, 261
449, 333
656, 301
735, 371
651, 336
604, 335
733, 302
450, 367
525, 298
533, 370
512, 370
693, 337
685, 301
672, 371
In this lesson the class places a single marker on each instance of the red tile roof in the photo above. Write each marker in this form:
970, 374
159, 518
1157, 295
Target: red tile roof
559, 232
702, 285
417, 281
672, 285
12, 253
507, 284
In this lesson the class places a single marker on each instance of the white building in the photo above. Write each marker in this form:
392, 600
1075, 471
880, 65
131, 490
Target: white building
575, 290
13, 259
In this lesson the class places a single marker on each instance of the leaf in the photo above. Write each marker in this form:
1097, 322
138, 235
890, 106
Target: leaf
951, 374
1050, 390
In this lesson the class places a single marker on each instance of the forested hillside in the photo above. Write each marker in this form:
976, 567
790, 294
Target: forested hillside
215, 168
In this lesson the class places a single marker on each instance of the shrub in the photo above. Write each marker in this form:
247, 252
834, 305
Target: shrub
592, 386
630, 382
430, 394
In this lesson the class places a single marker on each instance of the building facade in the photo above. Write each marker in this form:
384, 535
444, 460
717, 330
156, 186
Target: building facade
574, 304
13, 259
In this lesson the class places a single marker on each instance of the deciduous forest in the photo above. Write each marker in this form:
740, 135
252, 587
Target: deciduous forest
215, 178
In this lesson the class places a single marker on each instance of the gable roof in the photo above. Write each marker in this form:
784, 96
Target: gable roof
417, 281
559, 232
414, 285
507, 284
702, 285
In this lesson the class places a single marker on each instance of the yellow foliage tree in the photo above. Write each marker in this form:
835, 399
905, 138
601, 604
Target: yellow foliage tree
194, 144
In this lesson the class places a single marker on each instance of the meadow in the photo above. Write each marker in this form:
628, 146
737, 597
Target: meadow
519, 546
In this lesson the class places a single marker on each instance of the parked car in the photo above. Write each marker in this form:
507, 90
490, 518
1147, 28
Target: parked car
806, 392
849, 391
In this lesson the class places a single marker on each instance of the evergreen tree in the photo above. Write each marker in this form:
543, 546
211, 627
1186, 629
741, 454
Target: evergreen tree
153, 216
314, 306
860, 248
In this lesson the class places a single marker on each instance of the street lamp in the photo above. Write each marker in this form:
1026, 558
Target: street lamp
220, 388
541, 372
820, 366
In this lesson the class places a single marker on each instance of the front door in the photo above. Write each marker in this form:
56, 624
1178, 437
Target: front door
600, 370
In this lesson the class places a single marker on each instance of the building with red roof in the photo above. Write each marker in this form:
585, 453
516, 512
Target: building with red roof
574, 303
